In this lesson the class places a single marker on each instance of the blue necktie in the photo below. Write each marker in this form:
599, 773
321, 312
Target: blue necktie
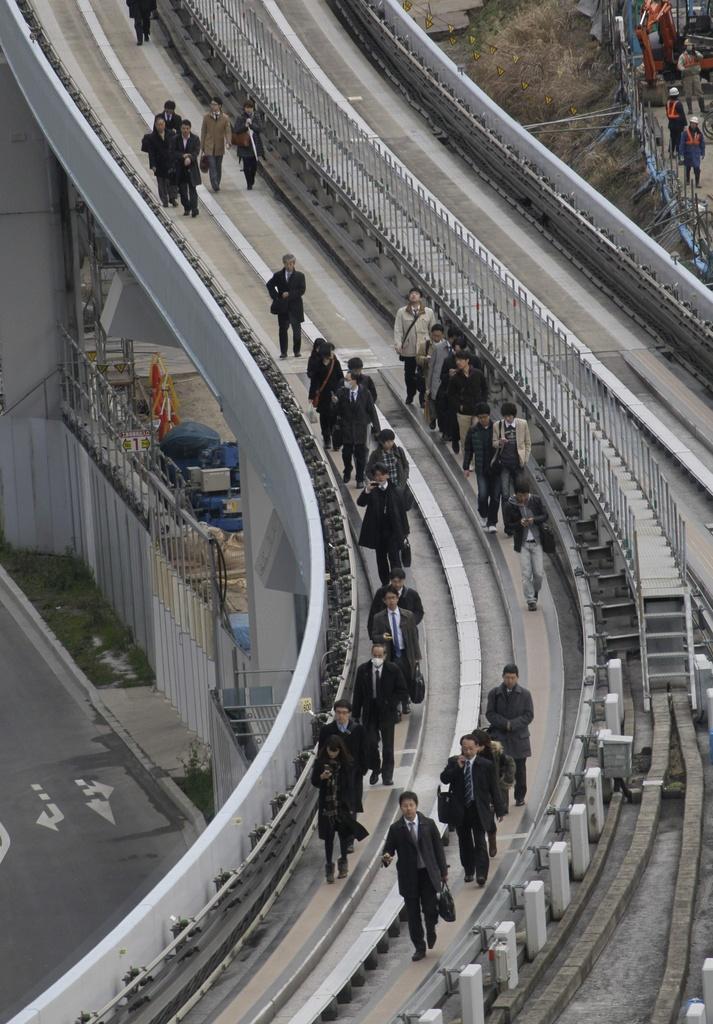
468, 783
395, 635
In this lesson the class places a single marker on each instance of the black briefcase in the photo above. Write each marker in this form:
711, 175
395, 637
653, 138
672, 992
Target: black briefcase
444, 806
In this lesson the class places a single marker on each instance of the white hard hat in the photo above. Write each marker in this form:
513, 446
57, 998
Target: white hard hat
673, 91
693, 120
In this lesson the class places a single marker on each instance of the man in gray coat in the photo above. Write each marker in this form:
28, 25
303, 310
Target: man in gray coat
509, 711
398, 628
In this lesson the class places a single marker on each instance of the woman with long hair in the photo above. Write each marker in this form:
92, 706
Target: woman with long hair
333, 776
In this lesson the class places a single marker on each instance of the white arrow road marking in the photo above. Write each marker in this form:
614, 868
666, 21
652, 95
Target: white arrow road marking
4, 842
95, 788
51, 817
102, 807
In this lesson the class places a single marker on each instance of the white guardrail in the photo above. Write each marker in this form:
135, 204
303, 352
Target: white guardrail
253, 412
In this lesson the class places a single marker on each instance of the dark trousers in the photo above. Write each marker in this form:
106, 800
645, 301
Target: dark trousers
215, 171
329, 843
403, 663
283, 324
359, 453
413, 376
388, 557
326, 420
471, 842
696, 172
164, 192
675, 132
142, 25
442, 411
249, 170
381, 728
425, 902
488, 497
520, 778
189, 195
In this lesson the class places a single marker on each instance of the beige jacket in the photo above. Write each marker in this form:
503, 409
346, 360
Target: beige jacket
215, 134
522, 439
416, 340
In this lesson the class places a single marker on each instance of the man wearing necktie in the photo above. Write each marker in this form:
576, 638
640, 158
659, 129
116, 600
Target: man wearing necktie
398, 627
379, 687
286, 288
355, 412
421, 869
474, 792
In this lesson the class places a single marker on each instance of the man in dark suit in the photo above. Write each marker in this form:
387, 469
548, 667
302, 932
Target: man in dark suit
510, 711
355, 411
474, 791
141, 11
385, 523
286, 288
186, 149
172, 119
379, 688
399, 628
421, 868
356, 741
409, 599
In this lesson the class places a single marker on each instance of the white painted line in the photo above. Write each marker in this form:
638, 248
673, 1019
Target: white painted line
4, 843
51, 817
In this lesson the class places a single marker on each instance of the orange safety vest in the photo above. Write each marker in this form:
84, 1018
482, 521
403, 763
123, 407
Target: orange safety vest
689, 59
693, 140
671, 112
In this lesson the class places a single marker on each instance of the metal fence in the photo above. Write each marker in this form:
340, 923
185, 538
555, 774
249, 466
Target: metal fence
561, 377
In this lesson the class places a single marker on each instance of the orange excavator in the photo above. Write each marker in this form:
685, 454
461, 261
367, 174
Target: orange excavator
661, 59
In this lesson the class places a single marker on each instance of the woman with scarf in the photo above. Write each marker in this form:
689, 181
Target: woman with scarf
333, 776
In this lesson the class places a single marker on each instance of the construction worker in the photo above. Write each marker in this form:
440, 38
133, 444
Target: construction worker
692, 148
689, 64
676, 117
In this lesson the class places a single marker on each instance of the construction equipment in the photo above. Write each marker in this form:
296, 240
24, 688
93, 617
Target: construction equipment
662, 48
211, 470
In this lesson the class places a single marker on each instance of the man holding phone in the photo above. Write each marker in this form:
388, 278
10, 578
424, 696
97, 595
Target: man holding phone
385, 524
524, 514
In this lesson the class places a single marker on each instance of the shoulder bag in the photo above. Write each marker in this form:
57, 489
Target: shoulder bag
241, 139
318, 396
547, 539
444, 806
406, 553
418, 687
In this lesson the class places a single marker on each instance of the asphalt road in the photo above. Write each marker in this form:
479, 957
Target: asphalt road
90, 830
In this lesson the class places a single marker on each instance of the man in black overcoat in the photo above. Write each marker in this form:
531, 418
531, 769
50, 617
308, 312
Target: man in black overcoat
141, 11
421, 869
379, 688
474, 792
510, 711
409, 599
385, 523
186, 149
355, 411
286, 288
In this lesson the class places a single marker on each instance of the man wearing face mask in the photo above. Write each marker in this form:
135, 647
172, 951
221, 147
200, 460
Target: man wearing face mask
689, 65
378, 690
385, 524
355, 411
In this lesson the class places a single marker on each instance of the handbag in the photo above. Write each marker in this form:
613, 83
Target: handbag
204, 165
444, 806
547, 539
446, 904
418, 686
241, 139
405, 553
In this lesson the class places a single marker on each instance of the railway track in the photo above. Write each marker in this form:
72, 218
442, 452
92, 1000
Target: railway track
332, 314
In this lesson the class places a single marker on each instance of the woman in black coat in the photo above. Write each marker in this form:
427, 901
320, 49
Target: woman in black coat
158, 146
326, 380
333, 775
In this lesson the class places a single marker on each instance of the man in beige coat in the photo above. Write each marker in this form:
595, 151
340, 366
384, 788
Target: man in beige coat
512, 444
215, 139
412, 341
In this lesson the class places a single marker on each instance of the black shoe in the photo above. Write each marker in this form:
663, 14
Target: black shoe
468, 878
431, 938
216, 188
250, 188
147, 37
456, 447
520, 803
406, 709
373, 778
139, 42
346, 477
186, 212
283, 355
481, 881
297, 354
164, 204
409, 401
194, 213
360, 483
336, 447
387, 782
174, 202
422, 401
419, 955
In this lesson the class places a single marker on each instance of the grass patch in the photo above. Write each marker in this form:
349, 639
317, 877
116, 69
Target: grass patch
63, 591
197, 780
